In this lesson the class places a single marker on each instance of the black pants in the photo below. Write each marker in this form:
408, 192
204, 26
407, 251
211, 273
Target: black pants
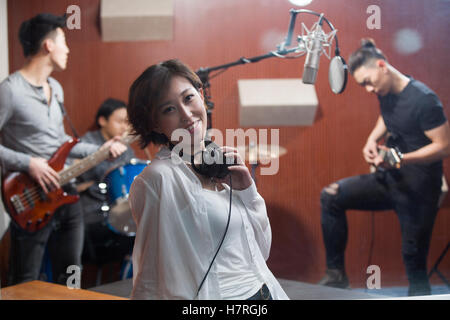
414, 197
63, 236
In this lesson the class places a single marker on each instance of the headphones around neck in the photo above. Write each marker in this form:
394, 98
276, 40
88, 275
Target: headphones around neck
210, 162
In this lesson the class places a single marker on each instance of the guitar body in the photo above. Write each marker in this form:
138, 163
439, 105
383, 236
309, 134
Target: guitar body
26, 202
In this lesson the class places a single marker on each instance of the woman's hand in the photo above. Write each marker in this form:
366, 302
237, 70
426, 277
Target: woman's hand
240, 175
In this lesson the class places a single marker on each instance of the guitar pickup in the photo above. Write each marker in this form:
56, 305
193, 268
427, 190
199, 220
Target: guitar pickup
17, 203
391, 156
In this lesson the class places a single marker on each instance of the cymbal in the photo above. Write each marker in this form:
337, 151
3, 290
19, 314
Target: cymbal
258, 152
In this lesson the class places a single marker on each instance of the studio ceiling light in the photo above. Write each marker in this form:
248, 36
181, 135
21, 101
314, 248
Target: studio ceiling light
300, 3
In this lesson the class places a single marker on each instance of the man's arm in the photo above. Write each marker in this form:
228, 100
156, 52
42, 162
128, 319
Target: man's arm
370, 151
10, 160
438, 149
379, 131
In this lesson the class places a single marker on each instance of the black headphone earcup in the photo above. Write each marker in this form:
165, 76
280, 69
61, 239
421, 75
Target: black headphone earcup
212, 163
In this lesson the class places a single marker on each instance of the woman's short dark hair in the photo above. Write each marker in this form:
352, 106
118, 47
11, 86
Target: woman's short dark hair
367, 53
107, 108
33, 31
146, 93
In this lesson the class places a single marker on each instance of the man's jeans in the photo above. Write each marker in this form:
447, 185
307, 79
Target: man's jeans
414, 198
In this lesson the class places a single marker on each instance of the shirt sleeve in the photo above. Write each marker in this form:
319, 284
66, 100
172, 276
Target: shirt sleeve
10, 160
144, 204
83, 149
431, 114
257, 214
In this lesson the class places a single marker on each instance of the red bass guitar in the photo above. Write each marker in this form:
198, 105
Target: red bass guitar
28, 205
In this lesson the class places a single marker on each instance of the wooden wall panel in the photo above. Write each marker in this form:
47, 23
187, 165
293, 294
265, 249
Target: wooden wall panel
213, 32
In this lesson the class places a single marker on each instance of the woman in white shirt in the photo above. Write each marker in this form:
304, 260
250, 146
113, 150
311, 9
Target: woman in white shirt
189, 245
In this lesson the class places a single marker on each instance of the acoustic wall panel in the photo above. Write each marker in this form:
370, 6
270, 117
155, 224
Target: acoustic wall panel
276, 102
136, 20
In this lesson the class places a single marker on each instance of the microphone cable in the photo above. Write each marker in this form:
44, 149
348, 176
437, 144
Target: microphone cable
221, 242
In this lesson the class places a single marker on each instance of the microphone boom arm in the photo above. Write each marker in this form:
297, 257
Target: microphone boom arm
204, 74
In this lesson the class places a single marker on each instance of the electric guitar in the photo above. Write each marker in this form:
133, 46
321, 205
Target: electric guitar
27, 203
391, 155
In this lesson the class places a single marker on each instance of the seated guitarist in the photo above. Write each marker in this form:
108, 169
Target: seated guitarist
409, 176
31, 127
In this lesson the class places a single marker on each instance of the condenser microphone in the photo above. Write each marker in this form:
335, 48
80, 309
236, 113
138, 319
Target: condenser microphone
313, 43
314, 50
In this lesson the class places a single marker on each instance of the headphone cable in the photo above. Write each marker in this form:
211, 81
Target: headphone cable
221, 242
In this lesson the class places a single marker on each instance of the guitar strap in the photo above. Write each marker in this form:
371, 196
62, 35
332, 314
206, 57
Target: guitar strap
65, 115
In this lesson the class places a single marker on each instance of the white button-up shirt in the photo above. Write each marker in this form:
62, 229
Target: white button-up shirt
174, 244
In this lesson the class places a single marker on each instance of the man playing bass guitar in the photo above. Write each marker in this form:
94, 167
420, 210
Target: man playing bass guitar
32, 129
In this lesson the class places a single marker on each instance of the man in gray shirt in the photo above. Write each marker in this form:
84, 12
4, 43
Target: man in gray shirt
31, 129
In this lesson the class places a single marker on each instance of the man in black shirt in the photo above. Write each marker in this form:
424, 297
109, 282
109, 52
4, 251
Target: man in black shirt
417, 138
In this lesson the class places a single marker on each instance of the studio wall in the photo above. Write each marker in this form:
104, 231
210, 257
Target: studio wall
214, 32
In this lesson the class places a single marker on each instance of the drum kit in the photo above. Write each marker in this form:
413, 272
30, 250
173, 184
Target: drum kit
117, 181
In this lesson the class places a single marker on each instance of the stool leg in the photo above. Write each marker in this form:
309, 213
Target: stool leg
442, 278
435, 267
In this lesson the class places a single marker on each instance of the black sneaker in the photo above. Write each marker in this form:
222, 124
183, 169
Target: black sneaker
335, 278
